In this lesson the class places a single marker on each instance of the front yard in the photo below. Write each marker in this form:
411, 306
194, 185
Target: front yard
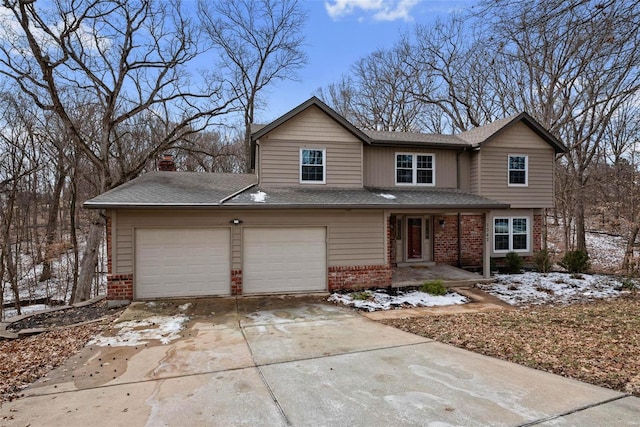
596, 342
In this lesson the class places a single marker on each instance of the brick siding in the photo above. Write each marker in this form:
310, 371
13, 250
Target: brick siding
445, 246
120, 287
537, 233
359, 277
236, 282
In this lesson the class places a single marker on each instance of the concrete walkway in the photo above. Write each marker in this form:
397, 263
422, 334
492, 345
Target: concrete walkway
298, 361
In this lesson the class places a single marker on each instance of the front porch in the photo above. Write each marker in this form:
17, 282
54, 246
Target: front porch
417, 274
425, 246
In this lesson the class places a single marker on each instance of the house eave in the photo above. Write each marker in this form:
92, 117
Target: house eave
387, 206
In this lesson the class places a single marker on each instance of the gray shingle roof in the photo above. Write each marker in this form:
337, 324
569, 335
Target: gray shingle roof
469, 139
365, 197
210, 190
381, 137
190, 189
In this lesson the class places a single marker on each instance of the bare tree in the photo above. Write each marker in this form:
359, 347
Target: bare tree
260, 43
20, 159
117, 60
379, 93
573, 65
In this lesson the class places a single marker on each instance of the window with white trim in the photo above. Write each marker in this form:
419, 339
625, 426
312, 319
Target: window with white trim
511, 234
312, 165
415, 169
518, 170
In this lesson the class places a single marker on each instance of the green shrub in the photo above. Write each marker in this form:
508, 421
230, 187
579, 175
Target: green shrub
361, 296
629, 284
542, 261
576, 261
513, 263
434, 287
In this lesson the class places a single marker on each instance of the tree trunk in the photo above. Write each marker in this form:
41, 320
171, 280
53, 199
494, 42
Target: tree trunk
581, 243
627, 263
74, 236
247, 148
89, 259
13, 277
52, 223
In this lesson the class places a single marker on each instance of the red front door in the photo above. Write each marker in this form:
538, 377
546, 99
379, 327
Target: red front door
414, 238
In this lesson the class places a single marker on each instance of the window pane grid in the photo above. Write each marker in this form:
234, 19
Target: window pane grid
510, 234
414, 169
517, 170
312, 165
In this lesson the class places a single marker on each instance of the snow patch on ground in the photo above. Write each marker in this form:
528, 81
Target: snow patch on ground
387, 196
34, 308
162, 328
57, 288
382, 301
606, 252
258, 197
552, 288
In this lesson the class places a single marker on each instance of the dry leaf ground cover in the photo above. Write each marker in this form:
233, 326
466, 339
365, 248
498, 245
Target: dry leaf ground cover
596, 342
24, 360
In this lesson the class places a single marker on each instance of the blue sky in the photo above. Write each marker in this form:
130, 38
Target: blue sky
339, 32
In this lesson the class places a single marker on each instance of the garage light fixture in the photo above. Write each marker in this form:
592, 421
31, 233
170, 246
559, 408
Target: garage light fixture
236, 221
441, 222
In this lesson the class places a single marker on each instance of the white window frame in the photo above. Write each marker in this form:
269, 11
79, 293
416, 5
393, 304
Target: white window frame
526, 170
511, 234
324, 165
414, 169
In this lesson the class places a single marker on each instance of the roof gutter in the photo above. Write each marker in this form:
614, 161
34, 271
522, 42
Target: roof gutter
291, 206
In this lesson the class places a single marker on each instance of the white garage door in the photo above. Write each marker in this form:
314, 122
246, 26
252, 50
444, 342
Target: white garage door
284, 260
180, 262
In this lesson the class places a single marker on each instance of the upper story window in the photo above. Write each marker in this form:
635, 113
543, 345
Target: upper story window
511, 234
312, 165
415, 169
518, 170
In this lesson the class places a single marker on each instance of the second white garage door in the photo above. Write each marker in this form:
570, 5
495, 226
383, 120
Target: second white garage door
284, 260
180, 262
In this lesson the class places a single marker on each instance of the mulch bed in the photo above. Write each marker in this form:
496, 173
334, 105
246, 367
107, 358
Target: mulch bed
66, 317
596, 342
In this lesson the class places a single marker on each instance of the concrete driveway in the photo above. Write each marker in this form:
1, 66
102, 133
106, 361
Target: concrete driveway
299, 361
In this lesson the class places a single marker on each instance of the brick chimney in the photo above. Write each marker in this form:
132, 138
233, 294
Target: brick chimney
167, 163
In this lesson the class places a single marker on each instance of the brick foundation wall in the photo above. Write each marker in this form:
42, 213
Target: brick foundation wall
359, 277
120, 287
445, 246
236, 282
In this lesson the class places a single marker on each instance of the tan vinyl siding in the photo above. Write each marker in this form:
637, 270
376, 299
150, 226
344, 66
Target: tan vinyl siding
379, 166
279, 151
494, 175
354, 237
464, 166
474, 176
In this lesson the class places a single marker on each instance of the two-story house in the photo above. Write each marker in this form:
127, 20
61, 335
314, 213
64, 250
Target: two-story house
329, 207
